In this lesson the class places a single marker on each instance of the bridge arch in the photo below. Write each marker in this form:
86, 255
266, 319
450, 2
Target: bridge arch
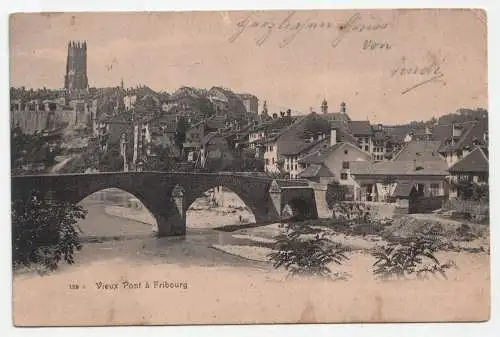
263, 196
298, 209
253, 193
116, 212
218, 207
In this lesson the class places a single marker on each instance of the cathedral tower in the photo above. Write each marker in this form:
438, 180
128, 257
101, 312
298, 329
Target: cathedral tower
76, 67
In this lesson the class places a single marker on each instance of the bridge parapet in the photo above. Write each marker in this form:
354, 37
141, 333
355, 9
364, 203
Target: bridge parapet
160, 192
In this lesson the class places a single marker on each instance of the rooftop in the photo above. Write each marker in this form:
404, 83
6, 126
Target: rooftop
423, 150
360, 128
475, 161
316, 171
417, 167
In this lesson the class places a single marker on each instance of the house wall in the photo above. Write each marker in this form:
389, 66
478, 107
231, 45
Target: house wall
379, 150
271, 157
345, 153
365, 143
292, 166
433, 185
254, 136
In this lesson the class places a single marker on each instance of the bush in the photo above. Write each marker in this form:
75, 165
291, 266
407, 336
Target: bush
44, 231
468, 190
352, 212
336, 193
305, 251
408, 258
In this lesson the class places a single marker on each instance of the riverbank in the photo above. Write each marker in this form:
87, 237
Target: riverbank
228, 278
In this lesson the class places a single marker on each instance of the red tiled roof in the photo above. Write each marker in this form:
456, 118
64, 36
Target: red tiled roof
476, 161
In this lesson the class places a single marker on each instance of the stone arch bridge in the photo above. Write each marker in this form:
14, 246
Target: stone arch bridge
168, 195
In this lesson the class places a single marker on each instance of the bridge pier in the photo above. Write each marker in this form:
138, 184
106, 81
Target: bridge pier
171, 224
172, 221
274, 209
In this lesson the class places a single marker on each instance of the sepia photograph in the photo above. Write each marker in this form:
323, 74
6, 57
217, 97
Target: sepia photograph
249, 167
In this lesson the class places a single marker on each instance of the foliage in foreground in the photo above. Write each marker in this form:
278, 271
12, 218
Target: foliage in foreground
44, 231
411, 257
303, 251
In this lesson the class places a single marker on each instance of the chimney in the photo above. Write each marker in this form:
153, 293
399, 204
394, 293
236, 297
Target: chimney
333, 136
343, 107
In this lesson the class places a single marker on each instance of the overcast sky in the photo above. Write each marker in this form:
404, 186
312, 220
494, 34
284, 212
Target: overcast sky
292, 60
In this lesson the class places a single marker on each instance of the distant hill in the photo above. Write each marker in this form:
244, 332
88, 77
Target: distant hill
460, 116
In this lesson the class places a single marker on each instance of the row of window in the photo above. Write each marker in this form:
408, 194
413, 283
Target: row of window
291, 167
267, 161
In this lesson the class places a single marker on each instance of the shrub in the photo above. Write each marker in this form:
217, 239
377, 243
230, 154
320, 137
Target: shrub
305, 251
44, 231
408, 258
352, 212
465, 233
336, 193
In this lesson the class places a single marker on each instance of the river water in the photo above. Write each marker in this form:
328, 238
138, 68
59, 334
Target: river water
107, 236
221, 288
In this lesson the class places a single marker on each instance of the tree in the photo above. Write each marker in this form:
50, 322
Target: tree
44, 231
335, 193
111, 161
19, 141
250, 163
163, 159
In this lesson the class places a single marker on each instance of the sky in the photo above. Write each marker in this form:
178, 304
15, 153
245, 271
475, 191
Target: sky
388, 66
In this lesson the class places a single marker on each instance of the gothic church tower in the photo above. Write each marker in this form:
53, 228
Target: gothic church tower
76, 67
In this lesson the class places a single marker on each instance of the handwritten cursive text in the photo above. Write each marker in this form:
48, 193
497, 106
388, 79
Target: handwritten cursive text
292, 28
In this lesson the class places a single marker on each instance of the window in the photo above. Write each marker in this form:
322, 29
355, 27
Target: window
345, 165
366, 147
295, 167
346, 151
273, 160
343, 176
287, 167
267, 161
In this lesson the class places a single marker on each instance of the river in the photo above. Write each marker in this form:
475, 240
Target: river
107, 236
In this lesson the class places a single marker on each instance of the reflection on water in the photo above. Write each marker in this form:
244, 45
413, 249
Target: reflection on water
107, 236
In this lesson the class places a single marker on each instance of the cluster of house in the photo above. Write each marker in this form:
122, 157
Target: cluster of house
208, 116
377, 163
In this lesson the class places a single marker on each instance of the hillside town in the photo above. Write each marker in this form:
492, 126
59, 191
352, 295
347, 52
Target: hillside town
81, 129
